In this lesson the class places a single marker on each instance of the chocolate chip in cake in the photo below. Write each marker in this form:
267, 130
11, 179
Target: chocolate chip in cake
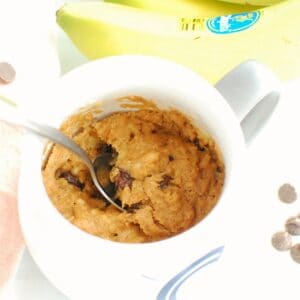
196, 142
123, 179
166, 180
133, 207
171, 158
71, 179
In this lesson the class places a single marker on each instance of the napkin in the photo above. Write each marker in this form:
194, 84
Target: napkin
26, 44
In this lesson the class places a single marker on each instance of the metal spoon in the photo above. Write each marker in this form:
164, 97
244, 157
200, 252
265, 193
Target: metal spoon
14, 117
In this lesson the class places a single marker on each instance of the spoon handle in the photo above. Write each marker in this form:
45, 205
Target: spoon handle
11, 115
57, 137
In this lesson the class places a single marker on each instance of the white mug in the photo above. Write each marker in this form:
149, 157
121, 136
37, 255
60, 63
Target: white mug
88, 267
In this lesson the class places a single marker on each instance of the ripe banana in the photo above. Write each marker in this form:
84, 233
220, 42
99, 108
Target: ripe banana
254, 2
211, 46
199, 8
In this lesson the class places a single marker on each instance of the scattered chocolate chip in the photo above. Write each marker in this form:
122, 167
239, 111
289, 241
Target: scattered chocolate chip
196, 142
71, 179
171, 158
287, 193
295, 253
7, 72
123, 179
281, 241
292, 226
153, 131
165, 182
115, 234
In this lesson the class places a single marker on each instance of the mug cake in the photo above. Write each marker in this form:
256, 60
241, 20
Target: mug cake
165, 172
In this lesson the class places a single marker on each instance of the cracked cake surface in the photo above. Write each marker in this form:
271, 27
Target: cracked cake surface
166, 173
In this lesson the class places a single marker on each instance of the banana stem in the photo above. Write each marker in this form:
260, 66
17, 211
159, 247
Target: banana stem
8, 101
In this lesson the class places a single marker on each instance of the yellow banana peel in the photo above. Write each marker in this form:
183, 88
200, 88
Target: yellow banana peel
254, 2
199, 8
210, 46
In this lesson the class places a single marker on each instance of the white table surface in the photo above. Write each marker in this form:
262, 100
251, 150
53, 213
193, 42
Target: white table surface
257, 271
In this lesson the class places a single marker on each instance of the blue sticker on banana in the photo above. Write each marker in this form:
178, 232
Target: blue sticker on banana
232, 23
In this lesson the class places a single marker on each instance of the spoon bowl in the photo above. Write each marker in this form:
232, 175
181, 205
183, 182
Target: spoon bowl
103, 165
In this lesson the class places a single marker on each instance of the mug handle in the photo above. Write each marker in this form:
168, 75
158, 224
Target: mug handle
253, 92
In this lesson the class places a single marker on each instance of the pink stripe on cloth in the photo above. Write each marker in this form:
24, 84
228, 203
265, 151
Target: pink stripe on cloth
11, 240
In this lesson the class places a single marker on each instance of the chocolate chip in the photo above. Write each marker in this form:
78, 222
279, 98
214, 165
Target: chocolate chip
219, 169
295, 253
131, 136
153, 131
287, 193
165, 182
7, 72
171, 158
71, 179
123, 179
196, 142
133, 207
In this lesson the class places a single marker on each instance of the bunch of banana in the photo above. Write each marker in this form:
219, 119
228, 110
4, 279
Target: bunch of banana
210, 46
254, 2
199, 8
